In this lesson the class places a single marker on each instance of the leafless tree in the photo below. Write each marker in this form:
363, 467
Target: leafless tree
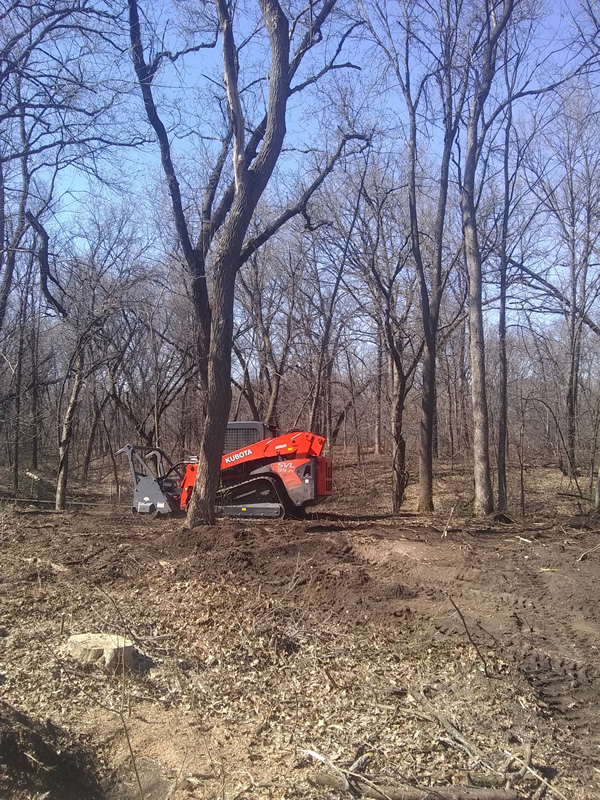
425, 49
268, 293
228, 205
495, 20
100, 277
380, 253
565, 177
57, 88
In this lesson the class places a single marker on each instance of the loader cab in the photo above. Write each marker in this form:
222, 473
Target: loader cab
244, 434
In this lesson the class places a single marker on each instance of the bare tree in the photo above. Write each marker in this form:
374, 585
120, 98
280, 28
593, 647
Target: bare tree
496, 17
56, 89
380, 254
255, 146
100, 276
565, 175
424, 46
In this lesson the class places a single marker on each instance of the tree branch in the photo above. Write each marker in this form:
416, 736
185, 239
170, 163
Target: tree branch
300, 206
45, 274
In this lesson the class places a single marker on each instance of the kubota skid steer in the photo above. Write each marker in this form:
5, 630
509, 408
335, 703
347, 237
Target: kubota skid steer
262, 474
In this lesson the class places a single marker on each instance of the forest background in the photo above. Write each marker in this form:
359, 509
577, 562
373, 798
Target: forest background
375, 220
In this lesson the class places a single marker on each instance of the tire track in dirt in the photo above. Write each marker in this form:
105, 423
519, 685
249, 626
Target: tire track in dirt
548, 626
530, 607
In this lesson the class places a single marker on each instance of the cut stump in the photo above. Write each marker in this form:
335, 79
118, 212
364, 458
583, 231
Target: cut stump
93, 647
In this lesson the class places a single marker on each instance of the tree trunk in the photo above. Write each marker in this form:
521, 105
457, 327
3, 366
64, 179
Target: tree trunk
399, 473
451, 394
495, 25
218, 400
271, 415
503, 409
113, 460
66, 435
87, 458
462, 404
594, 447
484, 501
17, 428
10, 248
572, 400
18, 377
427, 426
36, 422
379, 393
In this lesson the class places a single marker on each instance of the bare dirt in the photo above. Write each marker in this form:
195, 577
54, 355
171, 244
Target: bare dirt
428, 656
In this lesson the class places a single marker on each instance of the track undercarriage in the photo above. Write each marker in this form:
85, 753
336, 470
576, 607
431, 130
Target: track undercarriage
257, 497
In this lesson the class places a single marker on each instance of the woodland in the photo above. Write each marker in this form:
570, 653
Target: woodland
378, 221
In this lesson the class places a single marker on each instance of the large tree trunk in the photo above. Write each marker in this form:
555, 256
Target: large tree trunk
484, 501
495, 25
218, 400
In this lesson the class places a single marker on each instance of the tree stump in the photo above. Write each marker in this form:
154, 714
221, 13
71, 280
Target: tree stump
113, 649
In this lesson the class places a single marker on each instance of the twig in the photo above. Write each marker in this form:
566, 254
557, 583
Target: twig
133, 761
515, 777
537, 775
45, 767
344, 785
445, 722
576, 495
341, 775
470, 638
587, 552
178, 776
445, 531
415, 793
72, 561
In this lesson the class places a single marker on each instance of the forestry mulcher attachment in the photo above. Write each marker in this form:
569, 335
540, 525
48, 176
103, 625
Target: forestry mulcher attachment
262, 474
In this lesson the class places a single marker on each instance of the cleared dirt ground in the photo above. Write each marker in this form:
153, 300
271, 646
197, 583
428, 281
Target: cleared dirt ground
429, 657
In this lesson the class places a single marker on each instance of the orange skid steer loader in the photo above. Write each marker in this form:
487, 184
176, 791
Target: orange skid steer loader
262, 474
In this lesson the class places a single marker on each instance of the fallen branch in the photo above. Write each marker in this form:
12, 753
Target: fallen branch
469, 748
371, 790
470, 638
536, 775
348, 781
